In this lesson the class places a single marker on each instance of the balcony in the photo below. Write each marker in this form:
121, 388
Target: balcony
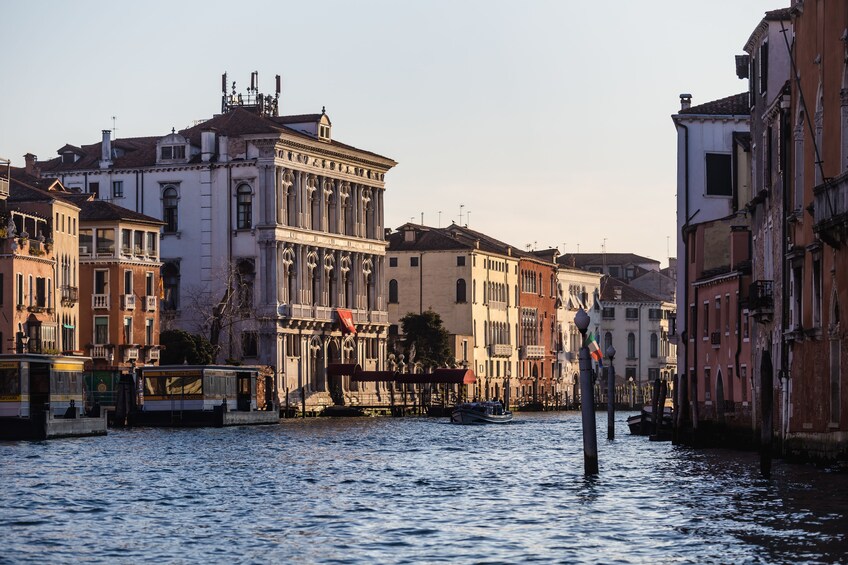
100, 351
128, 301
500, 350
69, 295
152, 355
379, 317
533, 352
323, 313
715, 339
497, 305
4, 188
100, 301
761, 301
667, 360
131, 353
150, 303
301, 311
830, 211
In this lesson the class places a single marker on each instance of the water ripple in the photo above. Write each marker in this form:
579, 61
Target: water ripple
410, 490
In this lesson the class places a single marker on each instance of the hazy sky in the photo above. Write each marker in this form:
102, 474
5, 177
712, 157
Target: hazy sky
548, 120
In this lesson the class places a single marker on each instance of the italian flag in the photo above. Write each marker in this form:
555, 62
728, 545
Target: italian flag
594, 348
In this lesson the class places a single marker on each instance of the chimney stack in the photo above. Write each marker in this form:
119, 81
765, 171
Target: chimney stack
106, 150
207, 145
740, 245
29, 167
685, 101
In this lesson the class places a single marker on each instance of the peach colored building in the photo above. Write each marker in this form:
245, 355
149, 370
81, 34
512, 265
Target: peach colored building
119, 284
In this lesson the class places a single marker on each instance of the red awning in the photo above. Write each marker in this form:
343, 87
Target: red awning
371, 376
342, 369
346, 321
447, 376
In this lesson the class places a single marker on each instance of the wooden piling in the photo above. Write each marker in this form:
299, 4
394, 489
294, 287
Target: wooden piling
767, 407
587, 408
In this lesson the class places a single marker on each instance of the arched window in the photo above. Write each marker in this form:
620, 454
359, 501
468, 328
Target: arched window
460, 290
244, 207
169, 209
631, 346
607, 342
654, 345
393, 291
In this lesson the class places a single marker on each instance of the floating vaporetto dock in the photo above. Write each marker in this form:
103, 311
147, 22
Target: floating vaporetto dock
199, 395
41, 397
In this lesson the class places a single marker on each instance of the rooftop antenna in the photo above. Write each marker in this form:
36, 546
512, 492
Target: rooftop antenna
440, 218
115, 127
667, 252
422, 218
461, 206
467, 218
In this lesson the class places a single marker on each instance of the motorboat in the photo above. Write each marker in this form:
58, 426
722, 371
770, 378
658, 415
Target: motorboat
642, 424
488, 412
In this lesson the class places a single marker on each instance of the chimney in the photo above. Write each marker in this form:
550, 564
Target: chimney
30, 167
223, 149
685, 101
106, 150
207, 145
740, 239
616, 291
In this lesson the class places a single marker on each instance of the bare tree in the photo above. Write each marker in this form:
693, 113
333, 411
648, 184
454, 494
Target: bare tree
223, 309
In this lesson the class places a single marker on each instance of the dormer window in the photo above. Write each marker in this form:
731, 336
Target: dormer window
173, 152
324, 132
68, 158
324, 126
173, 148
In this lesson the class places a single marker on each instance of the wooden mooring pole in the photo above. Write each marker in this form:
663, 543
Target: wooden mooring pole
611, 394
587, 400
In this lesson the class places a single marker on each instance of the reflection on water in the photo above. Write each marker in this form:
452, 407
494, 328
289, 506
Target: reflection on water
382, 490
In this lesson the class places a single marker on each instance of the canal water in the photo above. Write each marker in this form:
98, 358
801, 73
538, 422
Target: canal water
408, 490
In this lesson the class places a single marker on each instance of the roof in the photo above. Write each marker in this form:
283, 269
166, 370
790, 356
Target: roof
736, 105
141, 151
101, 210
628, 293
586, 259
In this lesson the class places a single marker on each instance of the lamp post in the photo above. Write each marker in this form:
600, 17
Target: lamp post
587, 404
611, 393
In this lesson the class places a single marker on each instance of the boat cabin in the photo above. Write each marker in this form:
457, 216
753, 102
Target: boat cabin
200, 394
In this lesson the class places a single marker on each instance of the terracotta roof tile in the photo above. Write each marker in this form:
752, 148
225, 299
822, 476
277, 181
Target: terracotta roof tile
736, 105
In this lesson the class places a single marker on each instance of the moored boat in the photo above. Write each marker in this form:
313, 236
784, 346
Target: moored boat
480, 413
642, 424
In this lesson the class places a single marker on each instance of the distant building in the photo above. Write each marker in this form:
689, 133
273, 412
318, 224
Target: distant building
272, 238
578, 289
636, 324
622, 266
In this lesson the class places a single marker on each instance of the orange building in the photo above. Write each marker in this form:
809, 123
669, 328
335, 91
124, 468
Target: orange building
119, 284
537, 327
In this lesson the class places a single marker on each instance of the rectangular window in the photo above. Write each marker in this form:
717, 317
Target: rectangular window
86, 242
743, 376
126, 242
249, 344
655, 314
718, 314
105, 241
392, 261
719, 175
138, 243
631, 313
152, 238
413, 261
706, 321
101, 281
94, 188
117, 189
148, 331
762, 59
608, 313
128, 330
41, 292
614, 272
101, 330
19, 291
745, 326
460, 261
128, 282
148, 284
727, 314
707, 385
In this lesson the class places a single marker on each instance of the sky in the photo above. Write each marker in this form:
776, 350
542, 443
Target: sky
540, 123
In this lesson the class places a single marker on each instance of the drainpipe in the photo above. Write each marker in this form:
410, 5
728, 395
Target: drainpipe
683, 333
